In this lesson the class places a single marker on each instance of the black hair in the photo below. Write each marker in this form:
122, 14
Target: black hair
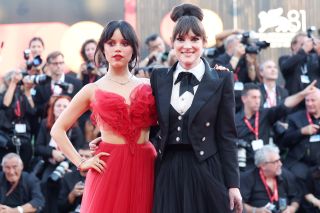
150, 38
83, 49
128, 34
36, 39
249, 86
188, 17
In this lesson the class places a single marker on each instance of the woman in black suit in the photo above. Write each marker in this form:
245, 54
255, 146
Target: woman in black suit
197, 169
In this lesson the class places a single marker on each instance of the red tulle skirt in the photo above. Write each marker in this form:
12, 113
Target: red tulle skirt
126, 185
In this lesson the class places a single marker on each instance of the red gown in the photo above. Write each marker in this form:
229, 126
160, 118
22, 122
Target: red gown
126, 185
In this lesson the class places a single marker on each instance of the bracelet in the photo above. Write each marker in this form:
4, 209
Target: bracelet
81, 162
20, 209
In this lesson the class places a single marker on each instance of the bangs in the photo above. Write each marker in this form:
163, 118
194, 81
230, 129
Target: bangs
187, 23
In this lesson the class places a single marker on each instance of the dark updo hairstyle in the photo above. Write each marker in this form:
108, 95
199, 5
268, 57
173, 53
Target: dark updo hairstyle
83, 49
128, 34
187, 17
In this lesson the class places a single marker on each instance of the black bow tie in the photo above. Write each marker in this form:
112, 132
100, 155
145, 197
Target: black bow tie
188, 81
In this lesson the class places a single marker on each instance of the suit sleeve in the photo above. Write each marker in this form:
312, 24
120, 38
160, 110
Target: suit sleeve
226, 134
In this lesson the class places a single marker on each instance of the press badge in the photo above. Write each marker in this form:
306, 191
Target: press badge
257, 144
20, 128
314, 138
238, 86
305, 79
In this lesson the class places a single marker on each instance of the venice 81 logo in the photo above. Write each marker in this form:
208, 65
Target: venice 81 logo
278, 29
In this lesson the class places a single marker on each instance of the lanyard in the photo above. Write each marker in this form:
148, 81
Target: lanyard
17, 109
235, 74
254, 130
309, 118
275, 195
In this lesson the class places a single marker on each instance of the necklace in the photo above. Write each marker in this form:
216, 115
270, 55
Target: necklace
120, 83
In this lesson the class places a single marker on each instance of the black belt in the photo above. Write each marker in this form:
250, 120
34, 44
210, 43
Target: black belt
179, 147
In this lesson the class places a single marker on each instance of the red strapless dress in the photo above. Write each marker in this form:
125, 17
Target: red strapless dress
126, 185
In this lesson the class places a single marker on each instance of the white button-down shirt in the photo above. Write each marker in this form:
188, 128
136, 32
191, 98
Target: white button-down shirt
182, 103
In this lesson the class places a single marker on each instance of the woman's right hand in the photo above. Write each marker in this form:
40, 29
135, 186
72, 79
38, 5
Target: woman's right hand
94, 145
95, 163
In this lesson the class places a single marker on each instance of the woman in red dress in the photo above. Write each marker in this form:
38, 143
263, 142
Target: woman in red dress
121, 174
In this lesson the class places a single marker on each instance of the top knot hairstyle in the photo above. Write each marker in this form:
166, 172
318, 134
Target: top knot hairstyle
187, 17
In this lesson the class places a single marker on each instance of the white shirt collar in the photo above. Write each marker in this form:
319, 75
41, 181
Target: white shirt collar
197, 71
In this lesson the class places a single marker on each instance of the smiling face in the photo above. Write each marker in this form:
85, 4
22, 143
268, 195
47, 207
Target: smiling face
117, 50
188, 49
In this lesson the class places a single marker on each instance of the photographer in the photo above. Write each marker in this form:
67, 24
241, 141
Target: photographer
88, 71
302, 67
46, 148
303, 138
19, 191
33, 57
157, 52
268, 188
16, 113
243, 65
72, 186
60, 83
254, 123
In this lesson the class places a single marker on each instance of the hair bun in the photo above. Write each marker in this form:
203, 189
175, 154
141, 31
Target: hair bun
186, 10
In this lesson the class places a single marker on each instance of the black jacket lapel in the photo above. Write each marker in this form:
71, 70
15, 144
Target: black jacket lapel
164, 82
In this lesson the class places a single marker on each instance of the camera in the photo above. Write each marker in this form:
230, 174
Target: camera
210, 52
34, 63
36, 79
67, 87
253, 47
242, 152
310, 31
59, 171
90, 66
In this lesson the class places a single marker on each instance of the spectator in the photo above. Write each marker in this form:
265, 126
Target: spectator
269, 188
72, 186
19, 191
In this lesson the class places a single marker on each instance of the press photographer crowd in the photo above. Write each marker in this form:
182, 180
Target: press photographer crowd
277, 121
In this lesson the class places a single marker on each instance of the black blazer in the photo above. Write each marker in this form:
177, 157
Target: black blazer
211, 126
294, 140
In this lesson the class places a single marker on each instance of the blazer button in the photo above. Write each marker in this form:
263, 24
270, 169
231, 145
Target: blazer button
177, 139
160, 137
201, 153
179, 128
159, 151
207, 124
179, 117
203, 139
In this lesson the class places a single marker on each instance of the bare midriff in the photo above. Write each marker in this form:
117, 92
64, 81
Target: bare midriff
109, 136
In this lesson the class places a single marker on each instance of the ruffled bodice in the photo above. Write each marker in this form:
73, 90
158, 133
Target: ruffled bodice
111, 112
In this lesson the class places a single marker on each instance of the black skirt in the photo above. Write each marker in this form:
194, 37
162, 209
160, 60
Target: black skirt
185, 185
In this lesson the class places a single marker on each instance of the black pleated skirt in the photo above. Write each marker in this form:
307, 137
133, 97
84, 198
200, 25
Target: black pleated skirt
185, 185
